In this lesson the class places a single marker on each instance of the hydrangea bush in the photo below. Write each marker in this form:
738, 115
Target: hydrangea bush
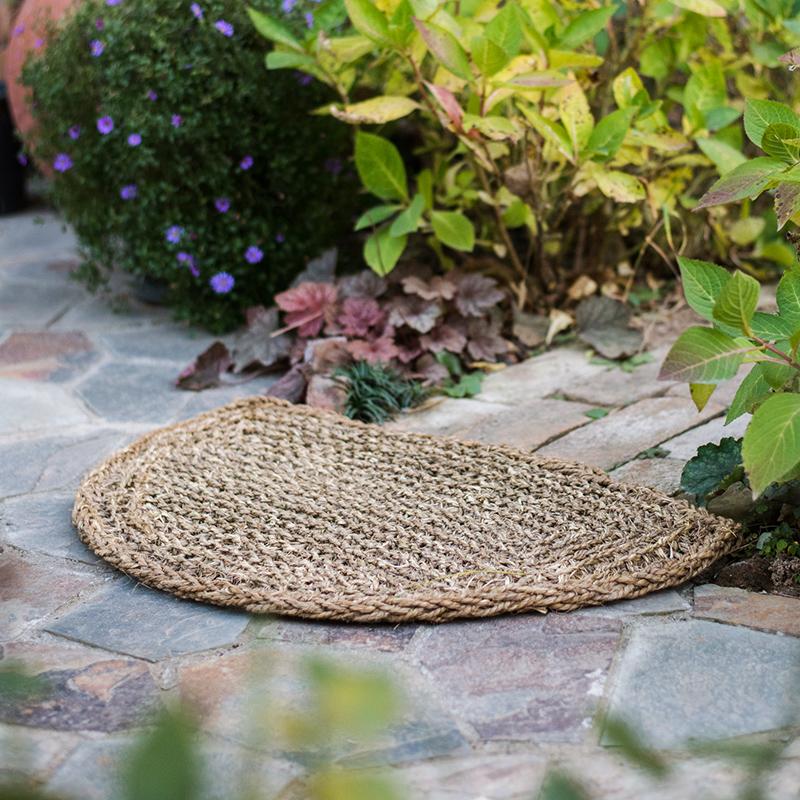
174, 158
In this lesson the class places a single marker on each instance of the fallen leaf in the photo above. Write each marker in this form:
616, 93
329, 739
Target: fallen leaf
256, 347
559, 321
582, 287
206, 370
603, 324
292, 386
530, 329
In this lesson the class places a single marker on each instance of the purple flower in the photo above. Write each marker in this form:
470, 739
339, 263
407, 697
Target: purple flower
105, 125
99, 23
304, 79
174, 233
22, 159
151, 96
96, 47
135, 139
177, 120
246, 162
253, 254
113, 2
280, 238
197, 11
309, 19
222, 204
222, 282
129, 192
288, 6
62, 162
183, 257
38, 42
225, 28
74, 132
193, 269
19, 30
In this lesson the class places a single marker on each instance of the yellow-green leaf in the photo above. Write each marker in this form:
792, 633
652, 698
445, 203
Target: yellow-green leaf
704, 355
576, 116
771, 446
368, 19
737, 302
701, 393
380, 167
375, 111
446, 49
453, 229
619, 186
382, 251
706, 8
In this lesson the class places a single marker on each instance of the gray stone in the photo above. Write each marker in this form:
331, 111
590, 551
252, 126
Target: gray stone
28, 236
446, 417
28, 753
41, 523
177, 344
552, 373
667, 601
111, 313
518, 678
92, 770
30, 406
390, 638
529, 426
663, 474
53, 462
769, 612
623, 434
695, 680
24, 306
685, 446
134, 392
130, 618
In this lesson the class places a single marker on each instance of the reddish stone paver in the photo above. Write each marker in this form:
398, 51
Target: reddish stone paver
767, 612
45, 355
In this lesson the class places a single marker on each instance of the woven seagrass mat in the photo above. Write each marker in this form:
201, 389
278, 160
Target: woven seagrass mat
286, 509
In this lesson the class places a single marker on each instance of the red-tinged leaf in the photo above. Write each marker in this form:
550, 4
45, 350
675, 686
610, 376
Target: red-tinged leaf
292, 386
419, 314
485, 342
747, 180
375, 351
437, 288
477, 294
359, 315
444, 337
447, 100
430, 370
206, 370
307, 307
446, 49
256, 347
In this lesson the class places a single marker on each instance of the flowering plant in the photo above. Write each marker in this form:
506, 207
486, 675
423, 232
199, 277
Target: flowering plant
174, 159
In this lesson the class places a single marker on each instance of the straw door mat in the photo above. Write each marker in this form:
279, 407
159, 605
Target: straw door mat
287, 509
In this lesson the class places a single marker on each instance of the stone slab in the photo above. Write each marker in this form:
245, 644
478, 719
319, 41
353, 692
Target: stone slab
177, 344
32, 590
129, 618
46, 355
663, 474
516, 678
446, 417
685, 446
767, 612
387, 638
41, 523
34, 235
527, 427
667, 601
699, 680
29, 406
623, 434
27, 753
134, 392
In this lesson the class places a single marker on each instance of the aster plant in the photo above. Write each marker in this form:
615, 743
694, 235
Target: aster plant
174, 158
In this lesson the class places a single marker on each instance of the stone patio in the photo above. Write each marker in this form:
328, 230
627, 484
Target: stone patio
491, 704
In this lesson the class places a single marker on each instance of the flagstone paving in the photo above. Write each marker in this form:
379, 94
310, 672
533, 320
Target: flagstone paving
491, 704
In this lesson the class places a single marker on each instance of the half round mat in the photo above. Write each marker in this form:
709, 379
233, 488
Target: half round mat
290, 510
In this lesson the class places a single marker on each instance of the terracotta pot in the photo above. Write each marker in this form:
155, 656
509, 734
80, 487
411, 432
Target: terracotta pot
28, 31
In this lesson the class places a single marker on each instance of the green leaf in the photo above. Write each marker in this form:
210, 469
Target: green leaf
711, 467
288, 59
760, 114
628, 741
619, 186
771, 448
777, 375
706, 8
446, 49
752, 391
702, 284
576, 116
701, 394
596, 413
609, 133
776, 142
375, 216
382, 251
273, 30
724, 156
453, 229
737, 302
489, 57
380, 167
745, 181
788, 297
376, 110
468, 385
408, 221
771, 327
506, 27
787, 202
367, 19
549, 130
584, 27
704, 91
704, 355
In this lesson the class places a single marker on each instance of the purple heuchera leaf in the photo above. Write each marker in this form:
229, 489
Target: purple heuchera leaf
363, 284
437, 288
419, 314
307, 307
477, 294
485, 342
444, 337
359, 315
375, 351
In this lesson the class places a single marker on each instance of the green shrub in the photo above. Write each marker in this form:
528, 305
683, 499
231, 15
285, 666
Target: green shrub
211, 169
558, 138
